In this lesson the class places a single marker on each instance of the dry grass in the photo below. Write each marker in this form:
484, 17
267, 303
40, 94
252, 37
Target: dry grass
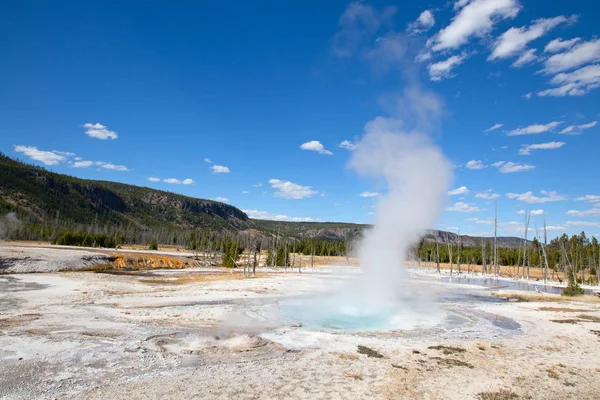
451, 362
186, 279
499, 395
448, 349
368, 352
562, 309
547, 298
590, 318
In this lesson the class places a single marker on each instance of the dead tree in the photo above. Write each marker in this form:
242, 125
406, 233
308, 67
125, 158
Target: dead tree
458, 255
437, 256
496, 271
525, 255
483, 257
449, 252
256, 261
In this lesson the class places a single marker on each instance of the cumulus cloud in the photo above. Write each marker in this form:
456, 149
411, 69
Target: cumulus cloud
534, 129
45, 157
221, 199
458, 191
463, 207
536, 212
99, 131
369, 194
574, 83
592, 198
425, 22
290, 190
315, 145
443, 69
101, 164
208, 160
511, 167
493, 128
475, 164
154, 179
487, 195
175, 181
527, 148
582, 53
348, 145
525, 58
558, 45
220, 169
476, 18
256, 214
529, 197
590, 224
514, 41
488, 221
593, 212
577, 129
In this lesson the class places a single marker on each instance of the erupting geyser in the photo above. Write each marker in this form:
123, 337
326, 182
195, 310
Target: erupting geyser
417, 175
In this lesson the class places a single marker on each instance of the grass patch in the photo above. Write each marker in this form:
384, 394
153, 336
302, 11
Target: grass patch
452, 362
448, 349
589, 318
562, 309
566, 321
369, 352
499, 395
546, 298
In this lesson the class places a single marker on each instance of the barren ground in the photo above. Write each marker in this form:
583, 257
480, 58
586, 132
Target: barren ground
206, 333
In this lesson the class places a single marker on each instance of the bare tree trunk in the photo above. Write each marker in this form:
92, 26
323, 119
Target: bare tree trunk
483, 257
449, 253
437, 258
496, 239
458, 255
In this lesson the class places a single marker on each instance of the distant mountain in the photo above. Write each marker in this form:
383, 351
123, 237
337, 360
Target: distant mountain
43, 198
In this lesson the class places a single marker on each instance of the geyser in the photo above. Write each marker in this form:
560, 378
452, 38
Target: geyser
417, 176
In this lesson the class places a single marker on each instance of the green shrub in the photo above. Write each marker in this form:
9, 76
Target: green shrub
153, 245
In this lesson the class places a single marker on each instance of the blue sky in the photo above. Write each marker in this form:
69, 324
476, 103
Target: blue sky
214, 100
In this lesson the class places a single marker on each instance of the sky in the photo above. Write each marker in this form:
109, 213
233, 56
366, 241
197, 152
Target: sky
261, 104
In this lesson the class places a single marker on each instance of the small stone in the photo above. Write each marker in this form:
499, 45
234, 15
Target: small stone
297, 325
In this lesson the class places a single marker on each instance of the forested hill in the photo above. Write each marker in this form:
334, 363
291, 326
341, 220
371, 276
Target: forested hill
41, 196
45, 202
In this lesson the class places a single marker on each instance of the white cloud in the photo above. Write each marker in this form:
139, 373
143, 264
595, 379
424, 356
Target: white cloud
45, 157
475, 164
458, 191
107, 165
369, 194
220, 169
558, 45
514, 41
537, 212
208, 160
592, 198
488, 221
582, 53
315, 145
527, 95
528, 197
575, 83
594, 212
525, 58
487, 195
534, 129
82, 164
154, 179
259, 184
527, 148
576, 129
290, 190
510, 167
493, 128
175, 181
99, 131
256, 214
245, 192
221, 199
443, 69
591, 224
463, 207
475, 19
348, 145
425, 22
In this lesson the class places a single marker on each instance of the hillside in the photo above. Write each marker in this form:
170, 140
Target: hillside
38, 195
44, 200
